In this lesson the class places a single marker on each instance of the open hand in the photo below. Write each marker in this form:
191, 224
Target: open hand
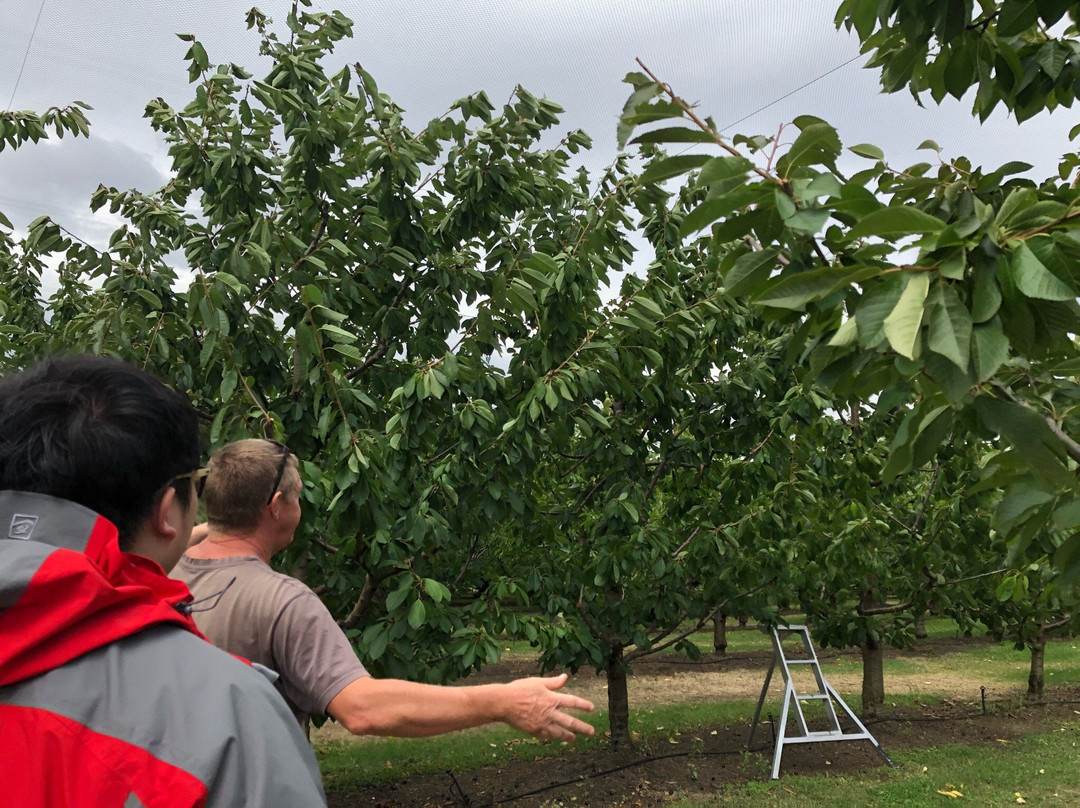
533, 706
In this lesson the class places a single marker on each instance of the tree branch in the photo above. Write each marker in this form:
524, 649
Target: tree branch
580, 605
1071, 446
362, 602
636, 653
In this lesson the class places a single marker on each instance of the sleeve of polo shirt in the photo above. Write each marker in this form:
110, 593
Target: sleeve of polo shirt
315, 659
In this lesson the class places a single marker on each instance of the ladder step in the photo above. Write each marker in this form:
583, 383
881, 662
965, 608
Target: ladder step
800, 661
813, 697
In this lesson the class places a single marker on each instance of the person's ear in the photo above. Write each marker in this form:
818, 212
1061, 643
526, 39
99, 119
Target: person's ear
161, 516
275, 504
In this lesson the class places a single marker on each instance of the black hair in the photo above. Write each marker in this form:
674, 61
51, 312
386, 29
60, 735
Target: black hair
99, 432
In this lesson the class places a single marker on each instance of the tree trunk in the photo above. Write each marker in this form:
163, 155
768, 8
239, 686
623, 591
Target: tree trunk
873, 677
719, 633
618, 702
1036, 678
920, 626
743, 620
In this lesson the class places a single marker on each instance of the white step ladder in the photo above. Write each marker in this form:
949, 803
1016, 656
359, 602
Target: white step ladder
793, 701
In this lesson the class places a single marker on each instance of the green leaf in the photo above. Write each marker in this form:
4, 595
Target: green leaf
1029, 435
818, 143
723, 168
902, 324
435, 590
868, 150
986, 297
1016, 16
1019, 502
1067, 516
990, 349
846, 334
149, 297
808, 222
950, 326
674, 134
874, 307
895, 221
551, 399
665, 169
417, 614
750, 271
337, 334
228, 384
644, 91
1033, 278
795, 289
704, 214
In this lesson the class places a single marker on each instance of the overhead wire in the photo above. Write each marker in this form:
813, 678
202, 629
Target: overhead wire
792, 92
26, 55
776, 101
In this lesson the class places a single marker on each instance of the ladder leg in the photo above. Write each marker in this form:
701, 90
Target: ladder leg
862, 727
760, 702
789, 695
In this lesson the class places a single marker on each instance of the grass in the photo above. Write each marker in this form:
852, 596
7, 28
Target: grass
1036, 770
371, 761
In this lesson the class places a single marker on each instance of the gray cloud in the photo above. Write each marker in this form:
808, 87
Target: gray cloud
731, 58
57, 178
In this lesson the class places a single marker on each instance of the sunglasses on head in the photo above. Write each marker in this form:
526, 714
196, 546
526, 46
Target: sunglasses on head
199, 476
285, 452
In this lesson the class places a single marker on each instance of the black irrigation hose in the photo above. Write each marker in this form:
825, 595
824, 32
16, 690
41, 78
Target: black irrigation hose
594, 775
461, 798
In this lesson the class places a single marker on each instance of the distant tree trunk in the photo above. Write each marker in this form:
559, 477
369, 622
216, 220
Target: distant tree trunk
920, 626
743, 620
873, 676
1036, 678
719, 633
618, 701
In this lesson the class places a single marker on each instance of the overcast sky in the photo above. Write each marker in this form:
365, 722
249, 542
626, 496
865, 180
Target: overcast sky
732, 57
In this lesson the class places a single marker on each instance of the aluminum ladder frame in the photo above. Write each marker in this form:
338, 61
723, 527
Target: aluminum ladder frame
792, 699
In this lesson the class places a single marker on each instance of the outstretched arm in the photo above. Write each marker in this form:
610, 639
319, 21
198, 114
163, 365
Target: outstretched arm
370, 706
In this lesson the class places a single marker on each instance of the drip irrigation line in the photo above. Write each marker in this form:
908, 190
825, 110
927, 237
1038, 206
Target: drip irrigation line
595, 775
461, 798
26, 55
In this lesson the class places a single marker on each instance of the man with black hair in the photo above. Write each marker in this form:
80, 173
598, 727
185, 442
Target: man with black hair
252, 499
109, 696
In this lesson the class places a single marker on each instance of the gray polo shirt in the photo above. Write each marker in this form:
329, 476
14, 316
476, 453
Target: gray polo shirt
270, 618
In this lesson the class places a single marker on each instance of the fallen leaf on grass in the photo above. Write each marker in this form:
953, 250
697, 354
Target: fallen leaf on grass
951, 793
1020, 800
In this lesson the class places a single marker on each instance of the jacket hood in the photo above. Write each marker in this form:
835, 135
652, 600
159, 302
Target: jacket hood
66, 588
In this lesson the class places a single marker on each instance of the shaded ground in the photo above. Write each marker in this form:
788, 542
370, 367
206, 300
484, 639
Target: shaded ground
702, 761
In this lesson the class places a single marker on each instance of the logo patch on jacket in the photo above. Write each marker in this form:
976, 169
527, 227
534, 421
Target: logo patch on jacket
22, 526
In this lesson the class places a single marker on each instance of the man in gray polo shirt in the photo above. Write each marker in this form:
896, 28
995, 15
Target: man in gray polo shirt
253, 509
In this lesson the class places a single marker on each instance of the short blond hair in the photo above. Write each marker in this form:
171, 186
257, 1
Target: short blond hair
238, 486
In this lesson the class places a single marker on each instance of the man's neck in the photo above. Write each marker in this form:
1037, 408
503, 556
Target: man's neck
230, 545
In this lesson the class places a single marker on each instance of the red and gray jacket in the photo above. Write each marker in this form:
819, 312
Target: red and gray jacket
109, 696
